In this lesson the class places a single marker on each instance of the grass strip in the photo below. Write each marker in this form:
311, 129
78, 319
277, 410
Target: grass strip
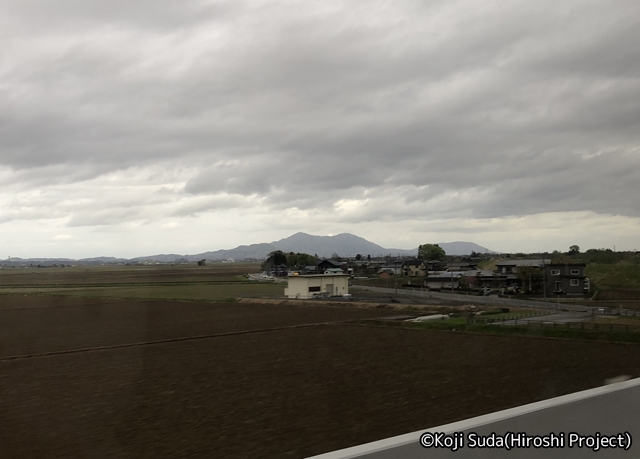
621, 336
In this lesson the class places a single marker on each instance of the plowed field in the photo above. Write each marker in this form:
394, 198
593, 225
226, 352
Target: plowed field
162, 379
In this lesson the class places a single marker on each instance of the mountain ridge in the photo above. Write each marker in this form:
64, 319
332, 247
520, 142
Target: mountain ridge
343, 244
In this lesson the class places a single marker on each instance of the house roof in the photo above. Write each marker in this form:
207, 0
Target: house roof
329, 261
391, 266
460, 263
537, 262
566, 264
412, 262
479, 272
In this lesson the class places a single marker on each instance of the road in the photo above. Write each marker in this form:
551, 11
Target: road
261, 278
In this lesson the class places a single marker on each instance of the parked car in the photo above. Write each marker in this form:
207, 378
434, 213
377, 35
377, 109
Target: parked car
485, 291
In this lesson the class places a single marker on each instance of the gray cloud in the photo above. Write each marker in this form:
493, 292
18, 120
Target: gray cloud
447, 108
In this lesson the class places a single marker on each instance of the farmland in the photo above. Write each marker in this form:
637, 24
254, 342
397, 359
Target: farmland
105, 376
220, 282
123, 275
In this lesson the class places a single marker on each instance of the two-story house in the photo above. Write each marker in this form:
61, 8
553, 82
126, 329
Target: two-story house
566, 278
507, 270
413, 268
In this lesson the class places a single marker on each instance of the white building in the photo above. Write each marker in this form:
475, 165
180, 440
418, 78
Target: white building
308, 286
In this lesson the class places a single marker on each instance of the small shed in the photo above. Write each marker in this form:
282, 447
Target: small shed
308, 286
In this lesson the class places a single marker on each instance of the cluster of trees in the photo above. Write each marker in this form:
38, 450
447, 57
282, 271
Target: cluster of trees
278, 257
600, 256
431, 252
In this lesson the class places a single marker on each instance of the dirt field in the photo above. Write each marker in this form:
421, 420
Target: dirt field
617, 295
218, 291
40, 324
285, 392
106, 275
216, 282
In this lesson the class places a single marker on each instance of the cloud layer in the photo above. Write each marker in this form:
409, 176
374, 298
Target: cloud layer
142, 112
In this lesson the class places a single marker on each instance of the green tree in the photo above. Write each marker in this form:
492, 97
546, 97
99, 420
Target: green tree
301, 259
574, 250
431, 252
292, 259
358, 257
309, 259
530, 277
277, 257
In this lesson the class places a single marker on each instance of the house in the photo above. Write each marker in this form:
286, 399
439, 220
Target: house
311, 269
566, 278
461, 266
434, 265
329, 264
479, 277
507, 270
393, 268
443, 281
310, 285
510, 266
413, 268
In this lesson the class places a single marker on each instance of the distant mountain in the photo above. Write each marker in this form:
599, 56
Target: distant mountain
102, 260
33, 260
257, 251
344, 244
162, 258
463, 248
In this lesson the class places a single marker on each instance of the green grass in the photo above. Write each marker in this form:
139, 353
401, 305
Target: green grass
557, 332
620, 275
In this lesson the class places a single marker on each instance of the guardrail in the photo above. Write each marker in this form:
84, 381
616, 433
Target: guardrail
595, 326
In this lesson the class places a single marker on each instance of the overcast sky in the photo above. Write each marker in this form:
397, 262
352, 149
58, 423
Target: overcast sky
137, 127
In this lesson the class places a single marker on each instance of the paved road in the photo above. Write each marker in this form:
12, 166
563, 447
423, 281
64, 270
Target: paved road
607, 410
259, 277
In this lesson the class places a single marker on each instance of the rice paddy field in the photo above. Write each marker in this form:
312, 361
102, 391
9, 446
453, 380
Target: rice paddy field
118, 375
